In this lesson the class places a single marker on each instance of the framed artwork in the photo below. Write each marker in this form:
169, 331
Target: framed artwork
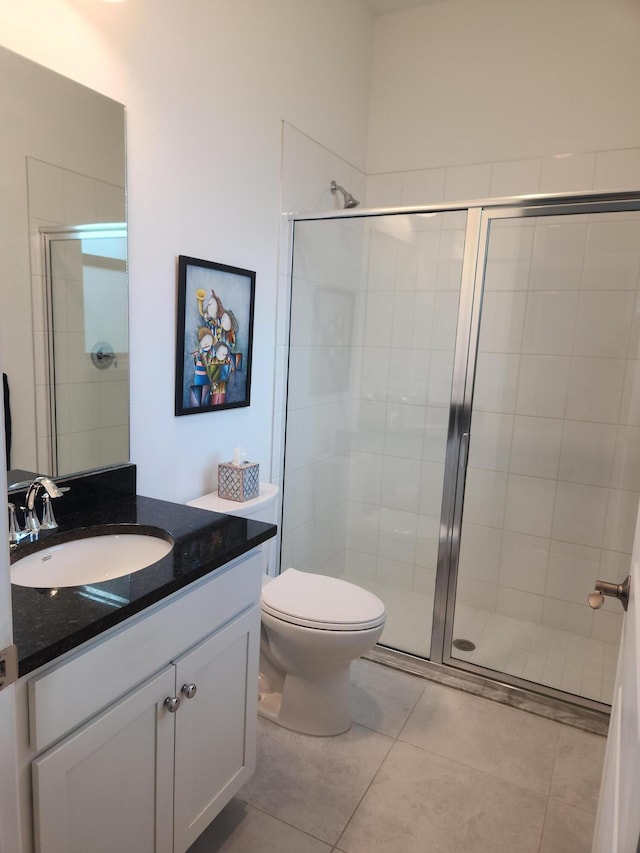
215, 333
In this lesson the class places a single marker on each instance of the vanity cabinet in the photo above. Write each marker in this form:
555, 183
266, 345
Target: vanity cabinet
109, 786
215, 730
149, 773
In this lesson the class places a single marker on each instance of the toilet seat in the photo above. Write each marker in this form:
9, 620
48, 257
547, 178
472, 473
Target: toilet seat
321, 602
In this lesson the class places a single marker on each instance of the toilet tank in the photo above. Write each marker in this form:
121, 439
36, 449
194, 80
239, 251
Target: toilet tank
262, 508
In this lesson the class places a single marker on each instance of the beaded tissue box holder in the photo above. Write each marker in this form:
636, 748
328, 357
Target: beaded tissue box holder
238, 482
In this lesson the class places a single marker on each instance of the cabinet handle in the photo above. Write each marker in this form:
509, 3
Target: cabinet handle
172, 703
189, 690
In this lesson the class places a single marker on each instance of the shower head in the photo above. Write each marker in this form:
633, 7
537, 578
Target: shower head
349, 200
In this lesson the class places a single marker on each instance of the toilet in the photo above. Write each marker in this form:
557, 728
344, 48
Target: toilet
313, 627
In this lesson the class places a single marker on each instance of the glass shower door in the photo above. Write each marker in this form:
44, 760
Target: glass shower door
374, 309
553, 478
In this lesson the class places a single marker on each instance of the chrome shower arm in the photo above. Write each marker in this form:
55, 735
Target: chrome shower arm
349, 200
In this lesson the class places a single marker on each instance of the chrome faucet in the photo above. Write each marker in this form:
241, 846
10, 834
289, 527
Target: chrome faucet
31, 520
32, 524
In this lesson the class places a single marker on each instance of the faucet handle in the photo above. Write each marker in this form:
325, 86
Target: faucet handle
31, 522
48, 518
14, 527
16, 532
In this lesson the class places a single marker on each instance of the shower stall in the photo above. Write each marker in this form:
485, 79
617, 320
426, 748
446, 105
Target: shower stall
463, 427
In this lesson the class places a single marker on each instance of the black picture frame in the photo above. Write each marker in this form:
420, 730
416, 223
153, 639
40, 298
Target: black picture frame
214, 336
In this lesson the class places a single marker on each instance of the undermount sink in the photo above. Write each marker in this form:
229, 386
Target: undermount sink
90, 560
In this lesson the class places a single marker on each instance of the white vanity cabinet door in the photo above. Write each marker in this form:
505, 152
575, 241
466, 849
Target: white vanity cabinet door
216, 728
109, 786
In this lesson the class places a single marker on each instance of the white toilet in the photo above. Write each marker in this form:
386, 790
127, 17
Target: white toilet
313, 626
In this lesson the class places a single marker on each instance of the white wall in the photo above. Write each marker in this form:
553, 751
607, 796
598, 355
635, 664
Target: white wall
504, 98
462, 82
206, 85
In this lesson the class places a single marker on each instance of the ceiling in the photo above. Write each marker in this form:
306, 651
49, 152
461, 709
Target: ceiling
381, 7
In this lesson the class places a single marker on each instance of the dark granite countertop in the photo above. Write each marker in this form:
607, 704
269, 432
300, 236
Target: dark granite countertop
48, 623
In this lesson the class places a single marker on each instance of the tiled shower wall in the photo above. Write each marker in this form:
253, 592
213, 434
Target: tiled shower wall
554, 469
401, 412
559, 173
588, 500
371, 358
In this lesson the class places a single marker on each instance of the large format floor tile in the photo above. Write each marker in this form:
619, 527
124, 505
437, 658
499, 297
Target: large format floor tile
422, 802
382, 698
576, 777
239, 828
515, 746
424, 769
567, 829
314, 783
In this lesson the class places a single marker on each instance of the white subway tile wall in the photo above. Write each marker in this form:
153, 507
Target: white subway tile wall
601, 171
567, 441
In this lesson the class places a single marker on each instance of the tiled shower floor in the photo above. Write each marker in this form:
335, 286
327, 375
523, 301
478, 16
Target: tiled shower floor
424, 769
569, 662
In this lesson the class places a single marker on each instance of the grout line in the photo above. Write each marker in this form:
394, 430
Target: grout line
335, 846
394, 740
544, 823
373, 778
286, 823
483, 771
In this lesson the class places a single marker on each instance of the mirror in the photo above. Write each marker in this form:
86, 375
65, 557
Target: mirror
64, 318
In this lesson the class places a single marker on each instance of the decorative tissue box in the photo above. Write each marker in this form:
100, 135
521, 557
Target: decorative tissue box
238, 482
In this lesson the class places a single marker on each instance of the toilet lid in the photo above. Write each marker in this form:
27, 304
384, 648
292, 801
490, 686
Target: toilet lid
318, 601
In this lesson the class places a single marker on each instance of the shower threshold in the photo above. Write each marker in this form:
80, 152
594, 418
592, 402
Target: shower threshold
559, 710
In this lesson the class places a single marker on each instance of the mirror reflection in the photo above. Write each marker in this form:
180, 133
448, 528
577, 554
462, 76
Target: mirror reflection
64, 318
86, 292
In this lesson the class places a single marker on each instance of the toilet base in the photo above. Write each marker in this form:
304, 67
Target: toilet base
320, 706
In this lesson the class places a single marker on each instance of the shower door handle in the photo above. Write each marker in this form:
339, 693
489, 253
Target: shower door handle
464, 450
615, 590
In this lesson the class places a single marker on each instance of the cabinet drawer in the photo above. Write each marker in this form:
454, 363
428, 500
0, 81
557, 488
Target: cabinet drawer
67, 694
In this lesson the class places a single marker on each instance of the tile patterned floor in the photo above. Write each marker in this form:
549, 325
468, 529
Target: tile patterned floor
424, 769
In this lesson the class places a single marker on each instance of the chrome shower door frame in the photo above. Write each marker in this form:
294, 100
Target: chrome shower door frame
479, 222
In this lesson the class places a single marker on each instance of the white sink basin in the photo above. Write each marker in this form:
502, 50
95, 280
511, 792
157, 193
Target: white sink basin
90, 560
